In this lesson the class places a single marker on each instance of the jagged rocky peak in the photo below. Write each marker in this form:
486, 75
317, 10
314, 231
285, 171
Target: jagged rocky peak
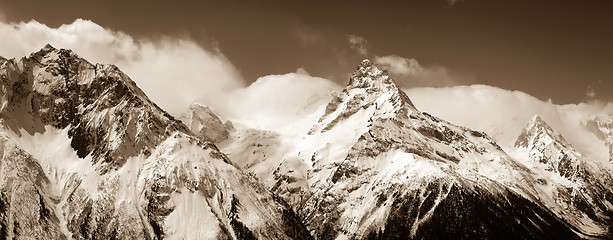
51, 65
589, 182
98, 103
367, 75
374, 80
538, 130
60, 63
545, 145
370, 89
102, 161
202, 121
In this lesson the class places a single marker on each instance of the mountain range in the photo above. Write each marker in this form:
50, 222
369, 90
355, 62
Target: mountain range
87, 155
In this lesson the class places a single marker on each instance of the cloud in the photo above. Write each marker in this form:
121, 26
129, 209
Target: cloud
591, 93
176, 71
278, 102
407, 72
307, 36
599, 91
358, 43
502, 114
171, 71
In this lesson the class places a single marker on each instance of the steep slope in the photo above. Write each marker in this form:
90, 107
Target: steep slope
25, 210
117, 166
590, 183
375, 166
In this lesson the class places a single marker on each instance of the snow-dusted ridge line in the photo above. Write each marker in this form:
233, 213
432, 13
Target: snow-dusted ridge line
588, 182
115, 164
372, 158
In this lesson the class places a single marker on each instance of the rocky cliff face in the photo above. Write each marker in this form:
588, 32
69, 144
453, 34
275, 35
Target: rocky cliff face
25, 210
92, 157
108, 116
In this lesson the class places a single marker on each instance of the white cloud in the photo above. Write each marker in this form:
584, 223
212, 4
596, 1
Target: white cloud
306, 35
171, 71
174, 72
407, 72
502, 114
278, 102
591, 93
358, 43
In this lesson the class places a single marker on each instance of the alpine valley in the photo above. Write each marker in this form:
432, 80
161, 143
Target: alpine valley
85, 154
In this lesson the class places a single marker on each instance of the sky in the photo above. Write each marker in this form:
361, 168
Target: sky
558, 50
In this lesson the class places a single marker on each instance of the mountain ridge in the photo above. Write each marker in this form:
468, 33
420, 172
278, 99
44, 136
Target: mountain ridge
372, 143
590, 187
92, 157
141, 173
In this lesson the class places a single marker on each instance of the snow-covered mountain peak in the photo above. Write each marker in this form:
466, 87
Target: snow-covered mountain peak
48, 48
49, 55
374, 80
544, 145
589, 182
538, 130
101, 161
99, 103
371, 93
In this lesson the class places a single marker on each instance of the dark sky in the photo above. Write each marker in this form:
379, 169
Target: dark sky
549, 49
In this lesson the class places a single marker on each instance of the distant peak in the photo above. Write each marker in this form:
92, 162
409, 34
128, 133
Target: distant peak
368, 75
369, 88
376, 81
45, 50
537, 123
537, 120
200, 108
201, 120
538, 130
196, 105
48, 48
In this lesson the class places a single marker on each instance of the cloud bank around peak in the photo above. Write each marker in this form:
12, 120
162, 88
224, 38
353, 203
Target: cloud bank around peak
171, 71
278, 102
503, 114
175, 71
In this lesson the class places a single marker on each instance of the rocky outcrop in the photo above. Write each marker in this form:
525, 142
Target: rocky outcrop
25, 209
204, 123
